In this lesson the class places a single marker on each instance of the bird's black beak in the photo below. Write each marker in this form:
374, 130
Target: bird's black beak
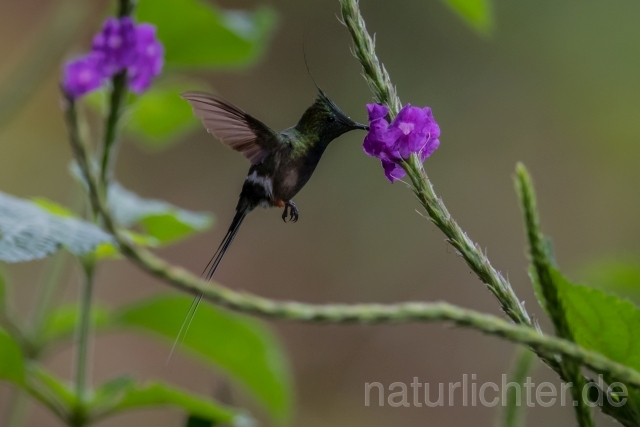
360, 126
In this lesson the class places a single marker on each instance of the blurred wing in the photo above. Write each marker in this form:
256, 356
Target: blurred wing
232, 126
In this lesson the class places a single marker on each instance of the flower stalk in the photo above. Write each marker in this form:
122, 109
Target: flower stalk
109, 142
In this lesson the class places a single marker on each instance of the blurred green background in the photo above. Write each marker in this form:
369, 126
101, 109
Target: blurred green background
556, 86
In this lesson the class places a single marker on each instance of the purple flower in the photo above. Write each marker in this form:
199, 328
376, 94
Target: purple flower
148, 60
83, 75
414, 130
120, 45
116, 42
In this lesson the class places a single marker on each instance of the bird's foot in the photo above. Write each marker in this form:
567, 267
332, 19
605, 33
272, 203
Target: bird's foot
290, 210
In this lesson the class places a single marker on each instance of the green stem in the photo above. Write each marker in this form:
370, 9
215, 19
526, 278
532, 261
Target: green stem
375, 313
80, 152
543, 276
126, 7
83, 331
384, 92
109, 143
116, 105
513, 415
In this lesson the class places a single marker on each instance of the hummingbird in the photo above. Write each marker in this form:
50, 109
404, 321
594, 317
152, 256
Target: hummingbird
281, 162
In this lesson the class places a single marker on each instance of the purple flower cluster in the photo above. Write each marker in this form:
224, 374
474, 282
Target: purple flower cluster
414, 130
121, 45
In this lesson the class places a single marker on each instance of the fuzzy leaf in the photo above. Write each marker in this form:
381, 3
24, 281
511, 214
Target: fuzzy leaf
11, 360
478, 14
196, 34
163, 221
28, 232
243, 347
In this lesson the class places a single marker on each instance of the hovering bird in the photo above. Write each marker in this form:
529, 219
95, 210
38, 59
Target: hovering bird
281, 163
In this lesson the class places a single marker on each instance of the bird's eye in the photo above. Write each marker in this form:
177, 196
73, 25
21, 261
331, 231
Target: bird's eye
331, 119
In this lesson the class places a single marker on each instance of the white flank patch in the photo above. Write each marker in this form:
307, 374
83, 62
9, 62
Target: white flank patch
263, 181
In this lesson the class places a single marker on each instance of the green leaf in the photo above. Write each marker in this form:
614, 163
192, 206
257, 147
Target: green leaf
160, 116
243, 347
28, 232
161, 220
196, 34
11, 360
123, 395
62, 322
478, 14
601, 322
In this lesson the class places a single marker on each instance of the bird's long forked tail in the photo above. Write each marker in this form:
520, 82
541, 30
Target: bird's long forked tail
210, 270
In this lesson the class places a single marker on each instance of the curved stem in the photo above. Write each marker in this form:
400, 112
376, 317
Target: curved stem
83, 332
375, 313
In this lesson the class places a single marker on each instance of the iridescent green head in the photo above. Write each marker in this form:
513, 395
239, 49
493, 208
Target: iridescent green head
325, 120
